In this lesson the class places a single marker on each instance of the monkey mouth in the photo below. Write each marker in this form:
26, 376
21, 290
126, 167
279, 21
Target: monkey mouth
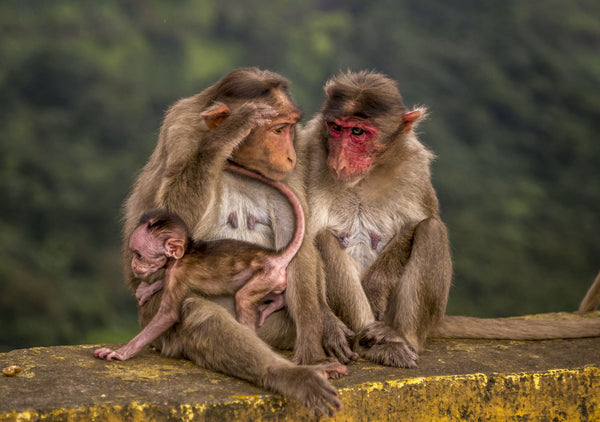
349, 179
273, 173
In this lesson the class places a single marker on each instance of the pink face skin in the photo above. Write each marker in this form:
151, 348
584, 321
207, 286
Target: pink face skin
353, 146
148, 253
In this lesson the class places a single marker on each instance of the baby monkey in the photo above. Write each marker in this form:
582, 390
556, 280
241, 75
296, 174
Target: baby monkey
252, 274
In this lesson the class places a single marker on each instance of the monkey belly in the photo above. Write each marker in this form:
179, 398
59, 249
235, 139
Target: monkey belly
254, 213
362, 240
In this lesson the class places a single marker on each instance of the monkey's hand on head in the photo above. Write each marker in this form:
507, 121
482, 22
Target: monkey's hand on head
238, 124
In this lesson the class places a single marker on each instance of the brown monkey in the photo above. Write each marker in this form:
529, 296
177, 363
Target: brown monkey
219, 267
374, 218
186, 175
592, 297
274, 269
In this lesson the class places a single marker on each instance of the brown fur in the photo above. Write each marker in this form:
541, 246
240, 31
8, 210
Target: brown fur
393, 296
186, 174
592, 297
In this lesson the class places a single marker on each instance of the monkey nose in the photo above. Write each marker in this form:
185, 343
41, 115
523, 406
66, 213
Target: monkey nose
292, 161
339, 171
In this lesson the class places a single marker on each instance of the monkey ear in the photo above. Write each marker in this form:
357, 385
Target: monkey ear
174, 248
412, 118
214, 115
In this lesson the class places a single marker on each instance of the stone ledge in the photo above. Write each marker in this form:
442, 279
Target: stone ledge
455, 380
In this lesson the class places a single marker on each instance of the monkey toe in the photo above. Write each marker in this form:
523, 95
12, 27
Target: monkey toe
377, 333
395, 354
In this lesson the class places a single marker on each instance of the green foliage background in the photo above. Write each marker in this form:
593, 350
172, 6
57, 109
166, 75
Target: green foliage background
514, 93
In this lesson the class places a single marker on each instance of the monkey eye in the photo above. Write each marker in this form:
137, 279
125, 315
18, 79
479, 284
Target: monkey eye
279, 129
335, 127
137, 255
357, 131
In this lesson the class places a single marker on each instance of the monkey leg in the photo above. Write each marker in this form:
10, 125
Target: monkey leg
303, 304
213, 339
265, 309
248, 297
408, 286
419, 299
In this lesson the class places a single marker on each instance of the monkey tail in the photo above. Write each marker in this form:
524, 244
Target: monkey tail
592, 297
516, 329
292, 248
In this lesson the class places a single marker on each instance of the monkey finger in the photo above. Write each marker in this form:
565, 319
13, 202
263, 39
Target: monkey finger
329, 402
342, 352
102, 353
266, 110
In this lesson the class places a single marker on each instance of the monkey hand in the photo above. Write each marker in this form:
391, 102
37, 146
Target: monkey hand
338, 339
144, 291
332, 368
109, 354
250, 116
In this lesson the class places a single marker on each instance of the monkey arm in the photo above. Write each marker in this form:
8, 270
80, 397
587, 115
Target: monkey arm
164, 319
344, 292
337, 337
145, 291
191, 182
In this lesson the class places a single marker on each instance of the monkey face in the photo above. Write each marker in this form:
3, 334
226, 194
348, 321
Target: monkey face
148, 253
269, 149
353, 147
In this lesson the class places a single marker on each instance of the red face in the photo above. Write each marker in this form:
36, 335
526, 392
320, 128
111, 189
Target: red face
148, 253
353, 147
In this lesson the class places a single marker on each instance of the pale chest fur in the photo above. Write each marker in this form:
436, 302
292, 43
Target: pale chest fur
365, 228
252, 212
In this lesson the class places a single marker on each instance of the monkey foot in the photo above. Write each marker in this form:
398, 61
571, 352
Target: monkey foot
381, 344
309, 385
396, 354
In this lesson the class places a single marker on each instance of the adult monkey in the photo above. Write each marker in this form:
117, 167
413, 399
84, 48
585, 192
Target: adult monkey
375, 220
247, 117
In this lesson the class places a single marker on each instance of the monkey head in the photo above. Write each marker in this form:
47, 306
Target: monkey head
158, 238
363, 115
268, 149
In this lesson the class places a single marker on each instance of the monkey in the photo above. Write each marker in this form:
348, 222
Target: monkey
592, 297
217, 267
374, 218
275, 300
251, 122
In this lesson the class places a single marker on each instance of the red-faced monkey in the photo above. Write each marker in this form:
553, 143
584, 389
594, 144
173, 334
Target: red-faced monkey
187, 175
374, 218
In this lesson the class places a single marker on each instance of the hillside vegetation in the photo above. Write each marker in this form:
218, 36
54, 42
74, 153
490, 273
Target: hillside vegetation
513, 89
